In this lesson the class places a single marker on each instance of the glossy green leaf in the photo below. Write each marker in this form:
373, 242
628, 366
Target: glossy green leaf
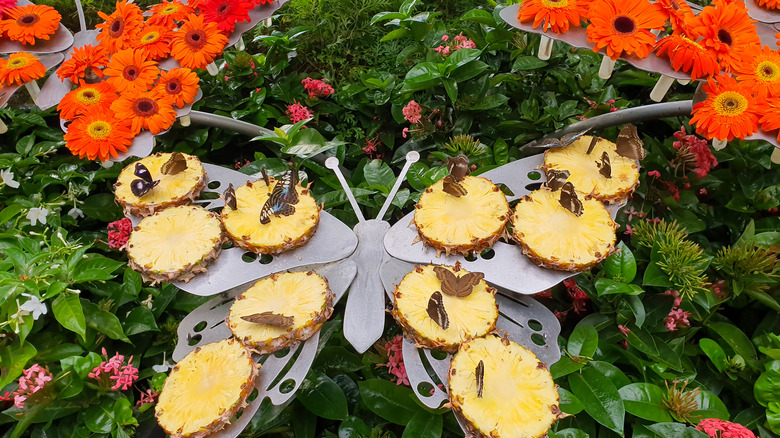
353, 427
676, 430
568, 433
104, 322
13, 359
654, 276
621, 266
68, 312
568, 402
714, 351
637, 308
737, 340
767, 387
528, 63
378, 173
645, 400
599, 397
424, 425
323, 397
421, 76
95, 267
611, 372
565, 366
388, 400
583, 341
139, 320
99, 418
710, 406
606, 286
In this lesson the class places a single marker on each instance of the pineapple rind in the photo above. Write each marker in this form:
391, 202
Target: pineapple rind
282, 234
462, 225
173, 190
181, 396
519, 398
175, 229
469, 317
304, 295
584, 172
554, 238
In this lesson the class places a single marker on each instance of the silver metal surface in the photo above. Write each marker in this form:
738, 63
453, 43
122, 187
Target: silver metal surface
763, 15
60, 41
212, 315
49, 61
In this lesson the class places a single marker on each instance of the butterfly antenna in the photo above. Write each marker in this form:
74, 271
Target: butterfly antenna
411, 158
332, 163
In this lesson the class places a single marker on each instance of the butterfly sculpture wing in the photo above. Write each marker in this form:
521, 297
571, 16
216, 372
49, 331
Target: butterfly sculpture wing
144, 182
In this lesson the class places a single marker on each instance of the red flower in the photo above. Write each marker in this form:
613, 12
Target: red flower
317, 88
717, 428
297, 112
119, 233
226, 13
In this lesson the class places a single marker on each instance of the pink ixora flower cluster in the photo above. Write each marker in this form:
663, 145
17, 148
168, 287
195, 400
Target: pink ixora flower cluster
579, 299
119, 233
297, 112
457, 43
699, 147
395, 360
33, 380
317, 88
717, 428
412, 112
372, 146
147, 397
114, 373
677, 318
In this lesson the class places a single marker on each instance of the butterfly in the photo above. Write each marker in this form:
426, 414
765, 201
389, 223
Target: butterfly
629, 144
592, 145
480, 375
230, 197
283, 198
556, 178
270, 318
436, 310
144, 183
176, 164
569, 199
605, 169
562, 142
455, 286
458, 167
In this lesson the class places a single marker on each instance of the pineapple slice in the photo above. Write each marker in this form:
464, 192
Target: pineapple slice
585, 172
282, 233
281, 310
175, 244
205, 389
554, 237
469, 223
500, 389
466, 317
173, 189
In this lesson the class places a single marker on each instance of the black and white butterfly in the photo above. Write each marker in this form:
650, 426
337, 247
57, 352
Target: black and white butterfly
144, 182
282, 199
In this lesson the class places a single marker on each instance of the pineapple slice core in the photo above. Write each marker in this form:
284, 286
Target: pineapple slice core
202, 387
174, 238
469, 317
519, 398
170, 188
584, 171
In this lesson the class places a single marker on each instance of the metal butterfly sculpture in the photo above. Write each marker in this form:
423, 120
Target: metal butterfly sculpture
282, 199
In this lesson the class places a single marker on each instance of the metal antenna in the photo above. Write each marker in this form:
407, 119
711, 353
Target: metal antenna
80, 12
411, 158
332, 163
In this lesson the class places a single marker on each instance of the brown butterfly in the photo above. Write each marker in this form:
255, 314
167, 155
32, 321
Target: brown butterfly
230, 197
556, 178
480, 375
458, 167
629, 144
562, 142
436, 310
176, 164
569, 199
455, 286
270, 318
452, 187
592, 145
605, 168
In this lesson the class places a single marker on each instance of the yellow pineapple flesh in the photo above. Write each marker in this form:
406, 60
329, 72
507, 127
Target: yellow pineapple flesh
303, 296
172, 190
584, 171
205, 389
282, 233
554, 237
468, 317
175, 244
512, 396
469, 223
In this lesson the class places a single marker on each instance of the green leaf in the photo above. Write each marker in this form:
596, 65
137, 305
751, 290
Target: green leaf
676, 430
715, 352
95, 267
353, 427
99, 418
599, 397
611, 372
710, 406
642, 340
323, 397
468, 71
101, 207
424, 425
568, 402
654, 276
104, 322
621, 265
568, 433
308, 143
335, 358
139, 320
422, 76
583, 341
737, 340
489, 101
396, 34
378, 173
767, 388
388, 400
606, 286
645, 400
382, 16
500, 152
638, 308
461, 57
10, 212
528, 63
480, 16
451, 87
564, 367
13, 359
68, 312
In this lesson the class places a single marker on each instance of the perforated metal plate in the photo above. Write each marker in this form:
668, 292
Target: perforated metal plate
280, 375
60, 41
525, 320
506, 266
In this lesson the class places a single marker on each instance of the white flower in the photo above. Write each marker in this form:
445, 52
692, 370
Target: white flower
36, 215
75, 213
163, 367
34, 306
8, 178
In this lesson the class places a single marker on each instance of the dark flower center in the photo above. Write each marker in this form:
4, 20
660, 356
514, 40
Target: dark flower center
130, 73
173, 86
223, 8
676, 6
624, 24
768, 71
196, 39
145, 107
28, 19
89, 95
725, 37
116, 28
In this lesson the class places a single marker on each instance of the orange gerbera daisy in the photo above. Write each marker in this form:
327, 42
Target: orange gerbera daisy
687, 55
623, 26
28, 23
155, 41
226, 13
727, 28
197, 44
770, 114
729, 111
129, 70
85, 65
21, 67
119, 28
761, 73
98, 135
146, 110
679, 12
87, 99
769, 4
166, 14
556, 14
181, 84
